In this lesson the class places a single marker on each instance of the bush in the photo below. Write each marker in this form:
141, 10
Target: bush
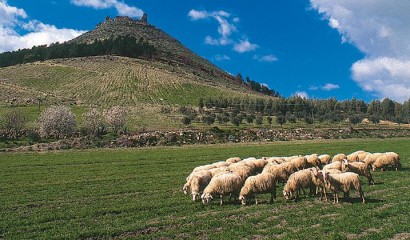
280, 119
12, 123
93, 122
57, 121
269, 119
374, 118
259, 120
116, 118
186, 120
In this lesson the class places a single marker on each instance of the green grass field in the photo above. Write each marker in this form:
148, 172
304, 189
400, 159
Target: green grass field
136, 193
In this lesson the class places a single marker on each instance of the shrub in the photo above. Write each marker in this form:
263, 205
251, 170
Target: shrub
116, 118
269, 119
186, 120
93, 122
12, 123
57, 121
280, 119
259, 120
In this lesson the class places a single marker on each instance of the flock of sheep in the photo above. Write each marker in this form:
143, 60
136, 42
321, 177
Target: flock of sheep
319, 173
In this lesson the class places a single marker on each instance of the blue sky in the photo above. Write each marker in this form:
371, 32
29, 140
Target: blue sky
314, 48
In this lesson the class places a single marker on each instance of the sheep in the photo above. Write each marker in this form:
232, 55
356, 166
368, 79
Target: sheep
281, 171
313, 160
276, 160
343, 182
387, 159
358, 152
233, 160
317, 179
298, 180
360, 168
371, 158
197, 182
220, 164
258, 164
215, 171
299, 162
325, 159
333, 165
261, 183
339, 157
241, 169
353, 157
362, 155
224, 184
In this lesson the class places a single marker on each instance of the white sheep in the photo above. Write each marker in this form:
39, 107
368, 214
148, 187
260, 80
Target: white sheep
280, 171
299, 162
224, 184
362, 155
261, 183
325, 159
371, 158
360, 168
317, 179
343, 182
386, 160
197, 183
298, 180
313, 160
233, 160
242, 169
339, 157
334, 165
353, 157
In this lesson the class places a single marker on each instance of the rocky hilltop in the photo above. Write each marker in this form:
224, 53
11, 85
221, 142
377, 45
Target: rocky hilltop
168, 49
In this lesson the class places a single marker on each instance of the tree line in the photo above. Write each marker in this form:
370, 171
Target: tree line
225, 109
126, 46
255, 86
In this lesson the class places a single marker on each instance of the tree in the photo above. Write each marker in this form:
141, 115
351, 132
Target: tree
355, 119
280, 119
186, 120
93, 122
374, 118
57, 121
12, 123
208, 119
116, 118
235, 121
308, 119
269, 119
201, 105
387, 106
259, 120
250, 118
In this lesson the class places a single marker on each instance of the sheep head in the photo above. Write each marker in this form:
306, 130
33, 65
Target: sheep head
287, 195
185, 189
242, 199
206, 198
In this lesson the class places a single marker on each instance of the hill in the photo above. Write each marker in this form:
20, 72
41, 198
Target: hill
174, 75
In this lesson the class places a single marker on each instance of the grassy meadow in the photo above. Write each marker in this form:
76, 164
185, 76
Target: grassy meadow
136, 193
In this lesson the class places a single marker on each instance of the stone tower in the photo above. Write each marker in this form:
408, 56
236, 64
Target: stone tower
144, 18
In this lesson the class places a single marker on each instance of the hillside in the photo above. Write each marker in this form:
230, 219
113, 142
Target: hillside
174, 75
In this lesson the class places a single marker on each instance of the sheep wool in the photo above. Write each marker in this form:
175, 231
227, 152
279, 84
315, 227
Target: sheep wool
224, 184
298, 180
339, 157
360, 168
325, 159
261, 183
343, 182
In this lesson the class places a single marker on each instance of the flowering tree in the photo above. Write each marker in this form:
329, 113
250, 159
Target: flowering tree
93, 121
57, 121
116, 118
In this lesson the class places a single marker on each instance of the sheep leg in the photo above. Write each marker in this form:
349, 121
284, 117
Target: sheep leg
256, 200
371, 180
221, 202
304, 193
271, 198
360, 191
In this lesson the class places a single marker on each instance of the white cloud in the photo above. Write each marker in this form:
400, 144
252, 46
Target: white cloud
380, 30
196, 15
330, 86
122, 8
221, 57
301, 94
38, 33
225, 27
244, 46
266, 58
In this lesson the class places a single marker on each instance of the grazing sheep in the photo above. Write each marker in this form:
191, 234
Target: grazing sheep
313, 160
358, 152
343, 182
353, 157
299, 162
224, 184
298, 180
371, 158
261, 183
197, 182
387, 159
317, 179
220, 164
259, 164
233, 160
241, 169
325, 159
215, 171
276, 160
339, 157
360, 168
281, 171
334, 165
362, 155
